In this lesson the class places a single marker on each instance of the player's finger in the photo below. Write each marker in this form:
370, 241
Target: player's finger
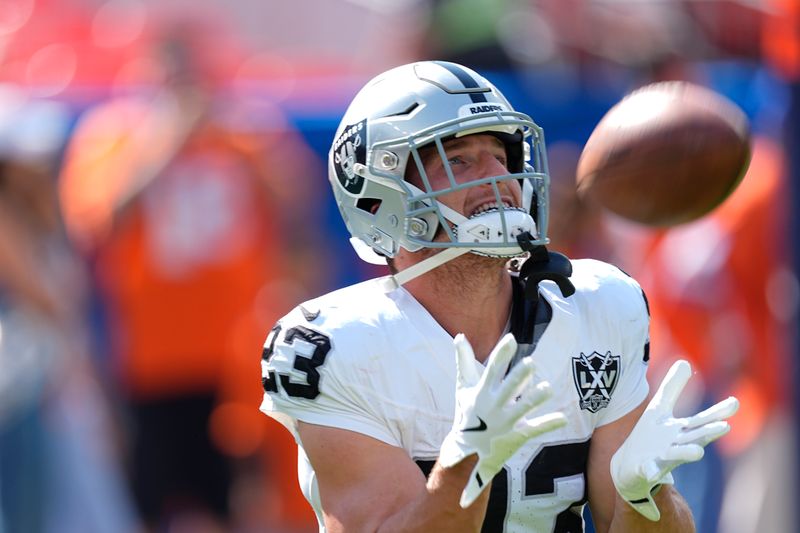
719, 411
704, 434
672, 385
541, 424
684, 453
473, 489
500, 358
466, 373
518, 383
529, 399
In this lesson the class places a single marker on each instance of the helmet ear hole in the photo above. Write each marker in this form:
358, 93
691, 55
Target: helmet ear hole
370, 205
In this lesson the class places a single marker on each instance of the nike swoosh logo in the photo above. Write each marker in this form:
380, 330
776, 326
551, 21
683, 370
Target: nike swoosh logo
479, 427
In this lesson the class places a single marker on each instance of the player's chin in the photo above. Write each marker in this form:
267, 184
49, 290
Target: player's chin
478, 260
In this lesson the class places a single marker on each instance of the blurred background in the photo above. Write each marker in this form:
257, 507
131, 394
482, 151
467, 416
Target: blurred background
164, 199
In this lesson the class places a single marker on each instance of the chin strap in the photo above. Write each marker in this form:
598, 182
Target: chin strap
544, 265
414, 271
541, 265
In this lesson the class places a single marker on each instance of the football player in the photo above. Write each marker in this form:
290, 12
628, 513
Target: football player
470, 390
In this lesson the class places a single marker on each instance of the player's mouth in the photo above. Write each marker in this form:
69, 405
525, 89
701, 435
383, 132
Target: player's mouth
488, 207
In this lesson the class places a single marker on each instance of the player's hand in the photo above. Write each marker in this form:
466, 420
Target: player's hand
659, 442
495, 413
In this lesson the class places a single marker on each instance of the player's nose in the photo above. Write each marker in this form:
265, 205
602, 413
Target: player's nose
509, 189
495, 166
489, 166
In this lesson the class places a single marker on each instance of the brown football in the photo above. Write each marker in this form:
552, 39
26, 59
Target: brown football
666, 154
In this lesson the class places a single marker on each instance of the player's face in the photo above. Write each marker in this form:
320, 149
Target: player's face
471, 158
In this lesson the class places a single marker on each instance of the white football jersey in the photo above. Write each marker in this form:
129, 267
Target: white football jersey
369, 358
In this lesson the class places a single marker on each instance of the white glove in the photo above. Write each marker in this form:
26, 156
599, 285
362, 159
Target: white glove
494, 412
659, 442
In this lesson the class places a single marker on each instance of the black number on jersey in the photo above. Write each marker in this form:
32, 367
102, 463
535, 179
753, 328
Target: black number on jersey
307, 365
322, 345
551, 464
269, 383
541, 478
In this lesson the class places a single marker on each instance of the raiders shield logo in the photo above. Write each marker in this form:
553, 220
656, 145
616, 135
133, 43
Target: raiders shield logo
595, 377
350, 149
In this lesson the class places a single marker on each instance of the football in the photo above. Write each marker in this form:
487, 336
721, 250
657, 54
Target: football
666, 154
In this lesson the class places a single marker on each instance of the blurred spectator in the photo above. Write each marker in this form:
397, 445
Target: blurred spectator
723, 296
57, 462
194, 208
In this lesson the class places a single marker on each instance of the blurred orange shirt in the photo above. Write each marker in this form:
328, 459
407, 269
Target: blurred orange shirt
181, 262
715, 293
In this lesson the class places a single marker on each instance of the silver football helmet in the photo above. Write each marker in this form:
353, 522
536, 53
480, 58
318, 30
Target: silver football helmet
425, 104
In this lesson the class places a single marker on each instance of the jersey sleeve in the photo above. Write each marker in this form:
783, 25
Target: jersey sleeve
630, 320
310, 374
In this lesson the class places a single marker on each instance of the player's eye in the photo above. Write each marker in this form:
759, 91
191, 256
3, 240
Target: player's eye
455, 160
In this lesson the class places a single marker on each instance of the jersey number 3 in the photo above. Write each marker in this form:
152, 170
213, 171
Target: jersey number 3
306, 364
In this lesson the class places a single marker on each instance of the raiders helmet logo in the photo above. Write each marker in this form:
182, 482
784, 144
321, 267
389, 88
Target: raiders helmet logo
595, 376
349, 150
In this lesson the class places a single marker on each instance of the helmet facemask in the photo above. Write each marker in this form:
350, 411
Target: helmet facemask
493, 232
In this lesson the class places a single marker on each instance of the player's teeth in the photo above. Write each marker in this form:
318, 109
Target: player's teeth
491, 205
486, 207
